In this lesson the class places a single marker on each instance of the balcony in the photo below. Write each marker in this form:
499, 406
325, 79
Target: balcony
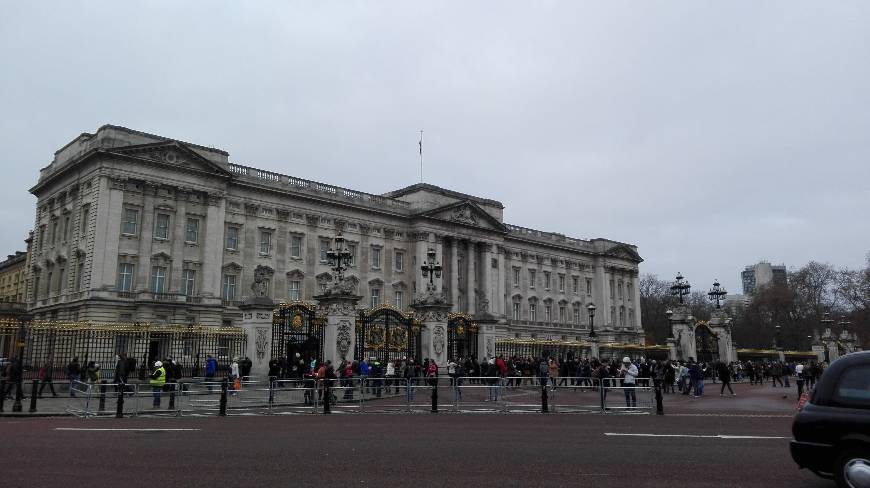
193, 299
126, 294
230, 303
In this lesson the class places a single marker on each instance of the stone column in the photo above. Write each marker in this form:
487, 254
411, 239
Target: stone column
454, 274
635, 287
470, 258
421, 248
257, 323
339, 334
486, 279
502, 275
434, 335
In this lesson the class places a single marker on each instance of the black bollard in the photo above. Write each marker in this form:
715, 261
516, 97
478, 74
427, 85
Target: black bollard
435, 396
660, 409
119, 409
172, 387
103, 396
545, 408
33, 392
223, 407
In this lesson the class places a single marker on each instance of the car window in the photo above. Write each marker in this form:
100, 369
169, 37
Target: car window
853, 388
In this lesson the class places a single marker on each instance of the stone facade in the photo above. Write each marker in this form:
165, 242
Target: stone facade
12, 277
132, 226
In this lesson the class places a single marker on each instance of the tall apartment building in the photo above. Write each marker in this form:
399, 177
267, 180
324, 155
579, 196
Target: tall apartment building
758, 275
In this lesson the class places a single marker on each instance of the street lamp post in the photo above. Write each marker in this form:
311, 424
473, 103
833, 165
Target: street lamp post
717, 294
339, 258
431, 269
591, 309
680, 288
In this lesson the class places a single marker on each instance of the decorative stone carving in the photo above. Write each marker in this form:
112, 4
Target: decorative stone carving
490, 346
463, 215
482, 301
262, 343
261, 274
342, 308
438, 339
343, 338
345, 287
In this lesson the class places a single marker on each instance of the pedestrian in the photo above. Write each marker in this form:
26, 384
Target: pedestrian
725, 375
776, 374
157, 382
628, 371
799, 379
235, 378
14, 374
410, 380
120, 377
45, 375
73, 372
210, 371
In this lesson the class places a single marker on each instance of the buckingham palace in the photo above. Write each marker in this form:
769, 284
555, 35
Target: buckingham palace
134, 227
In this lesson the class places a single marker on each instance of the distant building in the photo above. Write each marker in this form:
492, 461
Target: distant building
12, 277
758, 275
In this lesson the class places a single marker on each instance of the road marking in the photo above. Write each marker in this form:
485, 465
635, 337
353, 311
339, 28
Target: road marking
123, 430
695, 436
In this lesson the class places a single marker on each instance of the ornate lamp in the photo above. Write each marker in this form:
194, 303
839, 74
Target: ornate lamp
717, 294
339, 258
680, 288
431, 269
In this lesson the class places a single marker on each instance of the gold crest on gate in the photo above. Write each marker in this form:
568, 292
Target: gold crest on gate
296, 322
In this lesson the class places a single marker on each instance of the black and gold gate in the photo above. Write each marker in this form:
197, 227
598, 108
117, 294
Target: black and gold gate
461, 336
297, 329
706, 344
387, 334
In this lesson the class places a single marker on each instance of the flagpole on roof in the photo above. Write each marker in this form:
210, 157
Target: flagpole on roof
421, 156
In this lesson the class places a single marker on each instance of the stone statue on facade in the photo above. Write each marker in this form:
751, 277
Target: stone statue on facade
260, 287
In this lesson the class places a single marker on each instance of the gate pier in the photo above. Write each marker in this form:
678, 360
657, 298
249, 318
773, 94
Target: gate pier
433, 314
257, 324
338, 309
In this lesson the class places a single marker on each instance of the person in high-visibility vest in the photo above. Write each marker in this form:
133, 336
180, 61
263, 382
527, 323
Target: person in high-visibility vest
158, 379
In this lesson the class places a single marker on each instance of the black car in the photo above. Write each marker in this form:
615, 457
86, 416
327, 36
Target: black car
832, 429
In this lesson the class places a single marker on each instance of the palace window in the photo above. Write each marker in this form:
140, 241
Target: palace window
562, 283
376, 297
131, 221
400, 260
125, 277
191, 233
228, 291
612, 315
296, 247
265, 243
86, 213
588, 287
188, 282
294, 290
622, 316
631, 316
66, 228
80, 273
158, 279
41, 237
399, 296
577, 315
548, 313
563, 314
324, 247
575, 284
629, 290
612, 290
516, 276
233, 238
54, 231
619, 290
516, 310
532, 278
533, 312
376, 258
546, 280
161, 226
351, 248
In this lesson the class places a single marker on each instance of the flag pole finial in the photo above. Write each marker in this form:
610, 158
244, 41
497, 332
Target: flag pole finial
420, 145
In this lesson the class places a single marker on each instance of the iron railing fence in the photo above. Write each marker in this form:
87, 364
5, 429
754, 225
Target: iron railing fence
47, 348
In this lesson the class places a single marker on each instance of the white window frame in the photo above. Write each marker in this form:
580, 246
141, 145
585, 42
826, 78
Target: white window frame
398, 299
533, 277
265, 242
188, 282
294, 290
376, 257
376, 297
398, 261
130, 222
191, 229
158, 227
125, 277
228, 287
158, 279
516, 310
231, 243
533, 312
295, 246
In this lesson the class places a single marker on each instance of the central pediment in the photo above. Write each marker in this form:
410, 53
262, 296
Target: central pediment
172, 153
465, 213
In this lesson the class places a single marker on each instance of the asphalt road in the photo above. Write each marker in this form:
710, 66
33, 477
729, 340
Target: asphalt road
452, 450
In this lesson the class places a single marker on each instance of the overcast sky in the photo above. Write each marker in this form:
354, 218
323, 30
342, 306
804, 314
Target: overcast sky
711, 135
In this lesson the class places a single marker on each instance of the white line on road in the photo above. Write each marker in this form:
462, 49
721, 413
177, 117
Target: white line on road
695, 436
124, 430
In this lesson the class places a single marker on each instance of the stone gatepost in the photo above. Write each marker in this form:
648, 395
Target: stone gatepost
486, 337
683, 332
257, 324
594, 348
720, 324
338, 306
819, 351
434, 335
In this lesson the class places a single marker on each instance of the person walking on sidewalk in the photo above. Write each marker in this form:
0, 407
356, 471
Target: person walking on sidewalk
724, 375
45, 375
73, 372
157, 381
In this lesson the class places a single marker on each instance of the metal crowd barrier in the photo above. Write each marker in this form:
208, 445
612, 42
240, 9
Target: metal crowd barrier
361, 395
